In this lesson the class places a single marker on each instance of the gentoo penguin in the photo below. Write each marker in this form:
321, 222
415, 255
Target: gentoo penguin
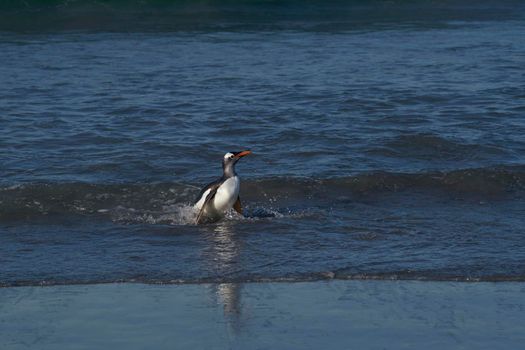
219, 196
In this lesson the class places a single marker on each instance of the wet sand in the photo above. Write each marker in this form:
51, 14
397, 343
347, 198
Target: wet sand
302, 315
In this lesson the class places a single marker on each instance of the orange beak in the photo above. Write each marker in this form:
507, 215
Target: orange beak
242, 154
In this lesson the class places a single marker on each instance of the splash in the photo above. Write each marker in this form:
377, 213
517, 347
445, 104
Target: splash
186, 214
175, 214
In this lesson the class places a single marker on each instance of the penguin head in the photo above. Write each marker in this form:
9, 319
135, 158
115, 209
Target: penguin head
231, 158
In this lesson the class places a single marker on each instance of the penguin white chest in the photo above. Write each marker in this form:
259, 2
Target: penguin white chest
227, 194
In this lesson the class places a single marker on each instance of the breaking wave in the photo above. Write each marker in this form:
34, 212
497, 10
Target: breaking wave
269, 197
320, 276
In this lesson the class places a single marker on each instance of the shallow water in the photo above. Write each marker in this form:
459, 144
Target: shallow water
386, 145
334, 315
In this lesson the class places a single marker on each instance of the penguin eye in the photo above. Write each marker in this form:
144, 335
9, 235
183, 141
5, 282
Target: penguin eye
231, 156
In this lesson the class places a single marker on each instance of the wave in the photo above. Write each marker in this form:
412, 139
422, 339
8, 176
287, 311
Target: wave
142, 3
267, 197
168, 15
320, 276
431, 147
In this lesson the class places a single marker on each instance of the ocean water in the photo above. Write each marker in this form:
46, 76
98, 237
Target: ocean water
387, 137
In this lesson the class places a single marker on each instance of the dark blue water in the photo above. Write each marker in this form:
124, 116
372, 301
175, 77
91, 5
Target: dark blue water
388, 141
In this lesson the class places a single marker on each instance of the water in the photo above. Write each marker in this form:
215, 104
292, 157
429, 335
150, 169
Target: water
387, 137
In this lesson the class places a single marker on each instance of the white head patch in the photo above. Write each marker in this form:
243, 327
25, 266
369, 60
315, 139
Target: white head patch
228, 155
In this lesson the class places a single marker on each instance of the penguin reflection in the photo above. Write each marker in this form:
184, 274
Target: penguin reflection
226, 250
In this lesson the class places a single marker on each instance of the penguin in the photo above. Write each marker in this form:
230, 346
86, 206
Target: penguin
216, 198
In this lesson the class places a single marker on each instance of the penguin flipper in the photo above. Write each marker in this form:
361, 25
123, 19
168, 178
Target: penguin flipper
209, 197
237, 205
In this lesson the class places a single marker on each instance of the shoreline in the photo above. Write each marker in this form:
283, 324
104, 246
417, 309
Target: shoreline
332, 314
323, 277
